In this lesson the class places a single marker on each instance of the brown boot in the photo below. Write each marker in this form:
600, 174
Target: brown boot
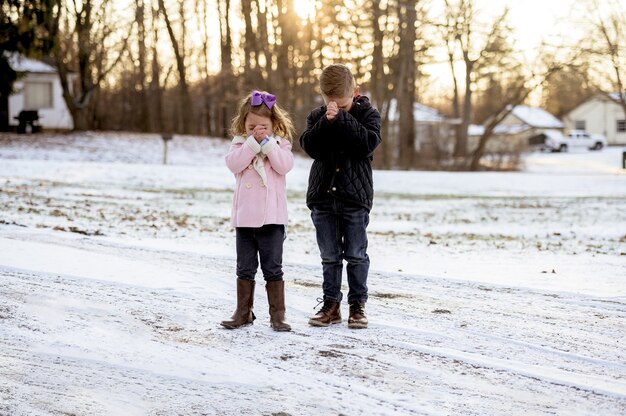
330, 313
276, 300
245, 298
357, 318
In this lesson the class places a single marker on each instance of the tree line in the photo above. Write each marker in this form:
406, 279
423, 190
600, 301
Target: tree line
180, 66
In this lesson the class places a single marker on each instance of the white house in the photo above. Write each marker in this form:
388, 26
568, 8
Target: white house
600, 114
518, 128
533, 118
39, 89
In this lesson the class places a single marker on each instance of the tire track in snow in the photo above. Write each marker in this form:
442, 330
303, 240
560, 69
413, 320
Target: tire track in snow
410, 361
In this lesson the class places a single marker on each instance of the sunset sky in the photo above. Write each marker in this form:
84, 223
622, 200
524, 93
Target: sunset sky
533, 21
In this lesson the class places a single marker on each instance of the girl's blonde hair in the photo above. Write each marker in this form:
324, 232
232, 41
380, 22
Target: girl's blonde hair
281, 122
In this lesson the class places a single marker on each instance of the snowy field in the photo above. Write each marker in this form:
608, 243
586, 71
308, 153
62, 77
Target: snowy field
490, 293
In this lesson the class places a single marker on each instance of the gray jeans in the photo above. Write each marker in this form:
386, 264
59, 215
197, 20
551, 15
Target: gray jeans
341, 235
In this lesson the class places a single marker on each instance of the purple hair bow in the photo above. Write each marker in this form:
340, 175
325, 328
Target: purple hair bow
259, 98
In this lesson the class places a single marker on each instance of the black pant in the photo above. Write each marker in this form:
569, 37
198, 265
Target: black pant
265, 243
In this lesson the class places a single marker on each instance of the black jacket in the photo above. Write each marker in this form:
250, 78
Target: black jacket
342, 150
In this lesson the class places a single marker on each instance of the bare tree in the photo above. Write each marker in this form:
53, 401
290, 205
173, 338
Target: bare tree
225, 36
250, 62
262, 51
378, 79
179, 53
286, 51
449, 31
144, 113
610, 38
87, 30
155, 90
378, 69
568, 88
385, 67
406, 81
204, 116
475, 49
516, 92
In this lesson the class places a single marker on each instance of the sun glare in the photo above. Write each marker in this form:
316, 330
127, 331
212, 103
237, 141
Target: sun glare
305, 9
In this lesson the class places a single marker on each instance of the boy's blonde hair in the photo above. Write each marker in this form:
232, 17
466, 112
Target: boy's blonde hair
337, 81
281, 122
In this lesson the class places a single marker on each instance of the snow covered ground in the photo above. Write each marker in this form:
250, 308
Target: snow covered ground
490, 293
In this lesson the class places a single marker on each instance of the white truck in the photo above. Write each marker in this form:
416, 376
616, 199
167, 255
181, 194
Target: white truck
575, 139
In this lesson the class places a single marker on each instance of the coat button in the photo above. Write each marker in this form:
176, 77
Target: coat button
333, 188
248, 185
262, 184
250, 167
337, 170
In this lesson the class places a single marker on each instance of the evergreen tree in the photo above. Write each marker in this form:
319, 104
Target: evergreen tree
26, 27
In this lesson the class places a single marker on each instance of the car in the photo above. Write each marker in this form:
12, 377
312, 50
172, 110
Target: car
557, 142
580, 138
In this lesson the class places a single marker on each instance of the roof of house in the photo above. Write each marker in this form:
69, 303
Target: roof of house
503, 129
529, 117
537, 117
421, 112
20, 63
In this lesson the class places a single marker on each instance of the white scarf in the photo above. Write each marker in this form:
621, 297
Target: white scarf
257, 162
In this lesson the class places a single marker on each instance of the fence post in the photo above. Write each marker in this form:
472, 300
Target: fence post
166, 138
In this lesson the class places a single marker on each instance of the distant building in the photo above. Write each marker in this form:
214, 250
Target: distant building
431, 126
518, 129
38, 89
600, 114
532, 118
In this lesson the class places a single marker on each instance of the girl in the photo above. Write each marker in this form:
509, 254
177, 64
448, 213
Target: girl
260, 157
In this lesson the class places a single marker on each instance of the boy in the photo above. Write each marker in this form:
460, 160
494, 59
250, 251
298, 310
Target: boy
341, 137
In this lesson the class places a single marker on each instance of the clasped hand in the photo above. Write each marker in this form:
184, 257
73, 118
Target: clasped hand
331, 110
259, 133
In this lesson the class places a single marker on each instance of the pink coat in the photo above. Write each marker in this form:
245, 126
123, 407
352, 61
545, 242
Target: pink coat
254, 203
